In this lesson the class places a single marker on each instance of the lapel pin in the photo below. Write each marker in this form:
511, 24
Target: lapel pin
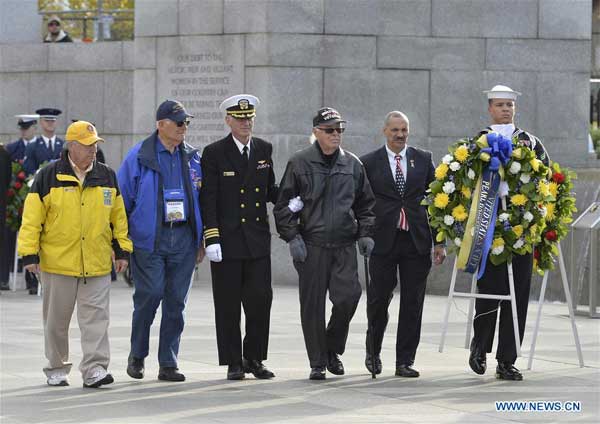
412, 163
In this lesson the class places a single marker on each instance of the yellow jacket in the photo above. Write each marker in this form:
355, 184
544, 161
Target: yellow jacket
70, 228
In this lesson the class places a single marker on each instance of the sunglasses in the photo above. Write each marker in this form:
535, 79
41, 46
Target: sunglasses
182, 123
331, 130
53, 24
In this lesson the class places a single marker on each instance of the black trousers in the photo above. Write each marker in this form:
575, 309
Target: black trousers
333, 270
495, 281
237, 283
8, 253
413, 268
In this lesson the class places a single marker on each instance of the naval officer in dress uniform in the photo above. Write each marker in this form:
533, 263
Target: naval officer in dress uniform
501, 108
238, 182
46, 147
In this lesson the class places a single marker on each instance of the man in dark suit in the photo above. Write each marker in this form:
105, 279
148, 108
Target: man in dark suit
238, 182
399, 175
46, 147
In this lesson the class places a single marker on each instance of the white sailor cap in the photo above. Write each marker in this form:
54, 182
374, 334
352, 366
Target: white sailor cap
240, 106
26, 121
502, 92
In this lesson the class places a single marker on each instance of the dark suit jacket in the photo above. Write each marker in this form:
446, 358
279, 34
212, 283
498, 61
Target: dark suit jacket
37, 153
419, 173
235, 205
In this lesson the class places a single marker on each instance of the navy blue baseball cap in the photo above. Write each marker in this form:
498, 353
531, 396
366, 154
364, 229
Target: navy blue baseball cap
173, 110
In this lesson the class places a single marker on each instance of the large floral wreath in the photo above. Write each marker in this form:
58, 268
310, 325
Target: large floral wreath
15, 195
539, 204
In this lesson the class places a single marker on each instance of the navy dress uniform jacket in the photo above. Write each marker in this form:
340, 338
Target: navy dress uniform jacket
234, 202
37, 153
16, 149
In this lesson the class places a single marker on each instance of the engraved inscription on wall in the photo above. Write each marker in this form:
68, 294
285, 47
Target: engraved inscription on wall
201, 72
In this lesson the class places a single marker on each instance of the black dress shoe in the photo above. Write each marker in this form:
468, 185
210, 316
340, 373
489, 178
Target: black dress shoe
477, 360
235, 372
253, 366
4, 286
507, 371
33, 291
334, 365
369, 363
170, 374
135, 367
404, 370
317, 373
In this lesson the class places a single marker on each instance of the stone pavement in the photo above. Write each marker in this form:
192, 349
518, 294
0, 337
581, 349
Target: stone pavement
447, 391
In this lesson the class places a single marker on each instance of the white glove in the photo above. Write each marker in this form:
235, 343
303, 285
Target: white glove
213, 252
296, 204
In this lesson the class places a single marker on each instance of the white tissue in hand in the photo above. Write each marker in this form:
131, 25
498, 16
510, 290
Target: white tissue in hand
296, 204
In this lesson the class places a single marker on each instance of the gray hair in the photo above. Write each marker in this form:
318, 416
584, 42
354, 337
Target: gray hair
395, 114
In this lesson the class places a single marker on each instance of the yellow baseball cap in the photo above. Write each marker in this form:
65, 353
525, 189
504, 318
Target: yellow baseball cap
82, 132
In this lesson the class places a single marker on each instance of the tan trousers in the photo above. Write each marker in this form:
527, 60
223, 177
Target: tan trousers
92, 295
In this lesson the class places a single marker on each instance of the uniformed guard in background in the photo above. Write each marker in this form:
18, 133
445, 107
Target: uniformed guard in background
27, 128
47, 146
238, 182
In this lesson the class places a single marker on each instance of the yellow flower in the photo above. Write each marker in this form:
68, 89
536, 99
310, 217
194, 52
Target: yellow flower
466, 192
485, 157
462, 153
517, 153
518, 199
482, 142
553, 187
498, 242
550, 211
441, 200
441, 171
518, 230
543, 188
535, 164
460, 213
533, 230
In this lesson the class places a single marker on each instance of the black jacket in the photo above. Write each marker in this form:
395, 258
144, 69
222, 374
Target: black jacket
234, 206
419, 174
338, 201
530, 140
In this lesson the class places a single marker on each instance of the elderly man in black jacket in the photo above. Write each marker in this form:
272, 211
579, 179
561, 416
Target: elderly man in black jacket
338, 211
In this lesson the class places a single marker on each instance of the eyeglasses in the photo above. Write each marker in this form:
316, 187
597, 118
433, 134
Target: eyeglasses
53, 24
182, 123
331, 130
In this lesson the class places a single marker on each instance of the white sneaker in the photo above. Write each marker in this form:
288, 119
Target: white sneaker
58, 379
98, 378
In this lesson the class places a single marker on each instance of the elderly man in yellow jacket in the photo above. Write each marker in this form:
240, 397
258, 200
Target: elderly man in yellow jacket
73, 220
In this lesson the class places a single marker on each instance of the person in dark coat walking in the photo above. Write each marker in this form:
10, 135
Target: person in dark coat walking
238, 182
399, 175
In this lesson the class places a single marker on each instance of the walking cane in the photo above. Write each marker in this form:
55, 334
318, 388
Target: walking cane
369, 327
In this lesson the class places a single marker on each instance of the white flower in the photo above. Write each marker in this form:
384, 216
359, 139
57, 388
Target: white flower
528, 216
449, 187
454, 166
525, 178
448, 219
543, 211
457, 241
497, 250
503, 217
447, 159
518, 244
471, 174
515, 167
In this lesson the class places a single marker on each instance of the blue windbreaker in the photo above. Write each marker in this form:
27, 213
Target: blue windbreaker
140, 182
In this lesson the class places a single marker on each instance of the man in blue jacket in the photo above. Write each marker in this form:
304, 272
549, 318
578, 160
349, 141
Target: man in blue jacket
160, 180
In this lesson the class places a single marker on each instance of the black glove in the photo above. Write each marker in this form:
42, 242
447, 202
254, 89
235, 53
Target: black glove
297, 249
365, 246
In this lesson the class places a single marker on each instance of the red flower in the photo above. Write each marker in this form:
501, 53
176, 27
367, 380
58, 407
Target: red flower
558, 178
10, 192
551, 235
536, 254
18, 185
21, 176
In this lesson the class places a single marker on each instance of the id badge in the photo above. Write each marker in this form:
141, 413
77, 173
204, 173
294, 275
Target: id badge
174, 205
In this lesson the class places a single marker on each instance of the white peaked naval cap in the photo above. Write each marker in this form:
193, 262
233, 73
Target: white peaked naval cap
502, 92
